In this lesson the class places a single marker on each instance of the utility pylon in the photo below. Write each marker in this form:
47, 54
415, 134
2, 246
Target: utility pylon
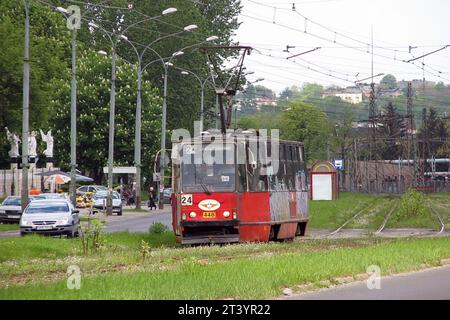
412, 146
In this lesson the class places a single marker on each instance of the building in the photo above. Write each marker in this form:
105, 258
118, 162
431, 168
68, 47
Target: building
262, 103
352, 95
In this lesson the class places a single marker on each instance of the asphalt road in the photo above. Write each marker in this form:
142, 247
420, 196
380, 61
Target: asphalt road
431, 284
129, 221
138, 222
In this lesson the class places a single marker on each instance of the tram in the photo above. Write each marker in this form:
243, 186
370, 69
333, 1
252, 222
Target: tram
238, 187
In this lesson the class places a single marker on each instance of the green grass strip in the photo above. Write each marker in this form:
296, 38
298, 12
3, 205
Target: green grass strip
254, 278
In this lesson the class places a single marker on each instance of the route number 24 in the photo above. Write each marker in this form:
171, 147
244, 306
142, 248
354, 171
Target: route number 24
186, 200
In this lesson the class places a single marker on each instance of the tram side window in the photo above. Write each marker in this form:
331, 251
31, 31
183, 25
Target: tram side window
176, 178
257, 181
281, 179
291, 167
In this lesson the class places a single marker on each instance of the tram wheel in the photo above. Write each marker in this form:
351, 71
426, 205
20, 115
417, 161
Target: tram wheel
301, 229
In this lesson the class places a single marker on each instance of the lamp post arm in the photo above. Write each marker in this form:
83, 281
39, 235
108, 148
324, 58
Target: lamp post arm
139, 22
161, 59
159, 39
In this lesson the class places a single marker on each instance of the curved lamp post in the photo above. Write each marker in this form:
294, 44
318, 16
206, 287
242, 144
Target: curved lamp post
114, 39
202, 83
137, 139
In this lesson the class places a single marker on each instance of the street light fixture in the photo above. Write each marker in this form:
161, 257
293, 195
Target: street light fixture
190, 27
169, 11
62, 10
164, 115
73, 109
203, 83
212, 38
114, 39
140, 69
176, 54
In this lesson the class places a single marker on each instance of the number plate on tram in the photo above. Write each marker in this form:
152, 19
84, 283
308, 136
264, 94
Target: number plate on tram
209, 215
186, 200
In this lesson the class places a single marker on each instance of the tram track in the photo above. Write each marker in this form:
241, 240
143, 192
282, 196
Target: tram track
441, 221
386, 219
388, 216
359, 212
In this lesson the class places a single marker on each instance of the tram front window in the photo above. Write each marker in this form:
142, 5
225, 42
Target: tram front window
208, 178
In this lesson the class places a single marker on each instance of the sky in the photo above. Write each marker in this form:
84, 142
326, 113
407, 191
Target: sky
342, 29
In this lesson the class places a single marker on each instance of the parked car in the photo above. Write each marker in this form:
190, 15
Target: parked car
55, 196
50, 217
99, 202
11, 209
90, 189
167, 195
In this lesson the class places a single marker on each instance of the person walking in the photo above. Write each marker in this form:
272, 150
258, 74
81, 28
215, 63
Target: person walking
151, 199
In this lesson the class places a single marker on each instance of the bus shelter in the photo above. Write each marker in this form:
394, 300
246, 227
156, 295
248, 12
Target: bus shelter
324, 183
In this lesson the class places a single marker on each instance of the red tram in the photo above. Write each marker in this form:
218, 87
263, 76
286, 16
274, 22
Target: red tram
257, 192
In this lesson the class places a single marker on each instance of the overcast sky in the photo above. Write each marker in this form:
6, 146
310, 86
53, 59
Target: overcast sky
397, 24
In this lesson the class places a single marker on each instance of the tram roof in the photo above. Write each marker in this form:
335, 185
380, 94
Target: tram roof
240, 134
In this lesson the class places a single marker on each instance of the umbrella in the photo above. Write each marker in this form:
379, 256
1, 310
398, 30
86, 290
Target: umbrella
78, 177
58, 178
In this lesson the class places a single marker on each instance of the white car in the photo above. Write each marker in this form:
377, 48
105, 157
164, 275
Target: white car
92, 189
11, 210
50, 217
99, 201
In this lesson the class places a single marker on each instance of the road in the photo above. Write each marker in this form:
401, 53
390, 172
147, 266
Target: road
431, 284
138, 222
129, 221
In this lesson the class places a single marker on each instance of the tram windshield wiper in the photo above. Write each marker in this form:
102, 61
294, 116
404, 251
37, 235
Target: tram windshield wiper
205, 188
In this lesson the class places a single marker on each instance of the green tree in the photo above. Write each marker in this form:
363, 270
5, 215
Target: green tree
304, 122
94, 73
440, 86
388, 82
311, 91
49, 45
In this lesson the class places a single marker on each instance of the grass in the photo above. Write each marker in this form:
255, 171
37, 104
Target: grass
332, 214
222, 272
9, 227
35, 267
135, 210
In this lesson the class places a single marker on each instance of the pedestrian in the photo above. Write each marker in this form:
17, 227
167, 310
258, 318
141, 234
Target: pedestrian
151, 199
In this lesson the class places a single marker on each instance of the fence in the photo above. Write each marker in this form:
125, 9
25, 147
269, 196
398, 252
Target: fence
11, 180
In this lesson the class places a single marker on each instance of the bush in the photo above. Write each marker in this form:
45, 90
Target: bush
92, 236
157, 228
412, 204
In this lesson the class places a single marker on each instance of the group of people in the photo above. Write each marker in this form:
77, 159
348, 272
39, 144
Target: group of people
129, 195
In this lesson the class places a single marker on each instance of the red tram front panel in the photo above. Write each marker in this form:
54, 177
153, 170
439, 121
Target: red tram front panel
254, 216
205, 218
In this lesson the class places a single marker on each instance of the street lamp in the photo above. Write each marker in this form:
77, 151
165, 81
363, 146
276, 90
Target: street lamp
164, 116
166, 64
140, 69
114, 42
73, 108
25, 107
202, 94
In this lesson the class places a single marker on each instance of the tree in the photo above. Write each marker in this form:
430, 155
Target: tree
304, 122
49, 47
388, 82
93, 96
440, 86
311, 91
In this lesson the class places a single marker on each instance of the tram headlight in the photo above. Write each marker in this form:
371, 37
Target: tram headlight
234, 214
183, 216
226, 214
192, 214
